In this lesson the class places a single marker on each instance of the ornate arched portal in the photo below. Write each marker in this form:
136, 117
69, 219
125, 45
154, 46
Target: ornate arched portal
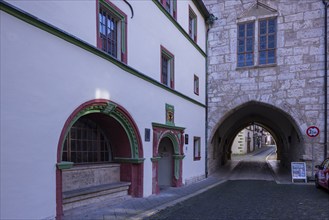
118, 126
175, 136
285, 130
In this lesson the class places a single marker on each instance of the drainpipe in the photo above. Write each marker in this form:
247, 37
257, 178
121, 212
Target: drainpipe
326, 3
210, 20
206, 91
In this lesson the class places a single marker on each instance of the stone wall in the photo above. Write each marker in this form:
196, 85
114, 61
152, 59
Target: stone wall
91, 175
295, 84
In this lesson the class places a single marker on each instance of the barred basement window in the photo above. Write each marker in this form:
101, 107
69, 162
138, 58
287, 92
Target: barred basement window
86, 143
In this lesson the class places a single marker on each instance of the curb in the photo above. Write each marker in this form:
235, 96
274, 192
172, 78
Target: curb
155, 210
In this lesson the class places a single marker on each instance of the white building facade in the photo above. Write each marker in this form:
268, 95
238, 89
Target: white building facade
95, 93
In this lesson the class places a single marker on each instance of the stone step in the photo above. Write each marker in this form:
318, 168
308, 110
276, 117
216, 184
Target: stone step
88, 195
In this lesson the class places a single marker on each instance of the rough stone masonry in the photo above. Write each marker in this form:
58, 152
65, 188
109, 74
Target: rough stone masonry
294, 84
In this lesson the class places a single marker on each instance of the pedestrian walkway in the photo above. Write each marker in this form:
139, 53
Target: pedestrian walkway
139, 208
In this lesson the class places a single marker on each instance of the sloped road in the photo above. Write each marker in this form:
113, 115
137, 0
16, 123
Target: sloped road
253, 199
252, 193
254, 167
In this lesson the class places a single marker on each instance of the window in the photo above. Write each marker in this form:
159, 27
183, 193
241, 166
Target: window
196, 85
86, 143
167, 68
197, 148
112, 31
246, 44
170, 6
267, 41
192, 24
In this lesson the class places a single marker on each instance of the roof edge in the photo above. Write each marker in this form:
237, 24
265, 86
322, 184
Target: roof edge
202, 8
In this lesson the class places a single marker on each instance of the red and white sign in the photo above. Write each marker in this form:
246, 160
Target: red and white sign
312, 131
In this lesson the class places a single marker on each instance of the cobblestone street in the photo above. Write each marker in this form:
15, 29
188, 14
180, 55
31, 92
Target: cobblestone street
252, 193
253, 199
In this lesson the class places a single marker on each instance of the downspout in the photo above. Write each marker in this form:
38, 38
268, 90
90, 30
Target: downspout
325, 2
210, 20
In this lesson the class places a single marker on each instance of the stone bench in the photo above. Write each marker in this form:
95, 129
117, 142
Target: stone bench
88, 195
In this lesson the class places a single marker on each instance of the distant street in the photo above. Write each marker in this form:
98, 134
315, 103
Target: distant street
252, 193
254, 167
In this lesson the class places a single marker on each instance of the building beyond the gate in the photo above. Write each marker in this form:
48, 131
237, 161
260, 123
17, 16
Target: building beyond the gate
99, 98
266, 66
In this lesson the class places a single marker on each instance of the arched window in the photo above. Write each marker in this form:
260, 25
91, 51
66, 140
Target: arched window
86, 143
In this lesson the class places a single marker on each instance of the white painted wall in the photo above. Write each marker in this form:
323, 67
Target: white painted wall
44, 79
239, 145
182, 18
75, 17
144, 49
147, 31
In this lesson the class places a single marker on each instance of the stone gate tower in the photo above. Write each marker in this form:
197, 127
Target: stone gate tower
266, 66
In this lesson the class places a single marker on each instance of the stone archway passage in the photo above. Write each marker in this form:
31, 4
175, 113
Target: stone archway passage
283, 128
120, 129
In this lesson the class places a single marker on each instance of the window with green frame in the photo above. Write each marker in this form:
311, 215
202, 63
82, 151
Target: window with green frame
170, 6
167, 68
192, 27
197, 148
112, 30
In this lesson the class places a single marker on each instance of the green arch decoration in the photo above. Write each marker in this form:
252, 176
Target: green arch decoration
173, 139
112, 110
177, 157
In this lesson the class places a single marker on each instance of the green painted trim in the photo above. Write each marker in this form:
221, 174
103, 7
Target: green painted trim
180, 28
30, 19
155, 159
122, 18
108, 7
178, 157
129, 160
176, 169
167, 126
64, 165
111, 110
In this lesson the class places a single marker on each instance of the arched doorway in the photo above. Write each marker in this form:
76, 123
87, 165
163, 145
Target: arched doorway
165, 164
167, 149
100, 145
282, 127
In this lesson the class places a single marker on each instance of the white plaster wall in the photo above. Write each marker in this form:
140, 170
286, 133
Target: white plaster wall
235, 146
75, 17
183, 19
144, 51
146, 31
43, 80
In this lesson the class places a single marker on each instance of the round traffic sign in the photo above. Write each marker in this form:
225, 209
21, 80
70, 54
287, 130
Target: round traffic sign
312, 131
